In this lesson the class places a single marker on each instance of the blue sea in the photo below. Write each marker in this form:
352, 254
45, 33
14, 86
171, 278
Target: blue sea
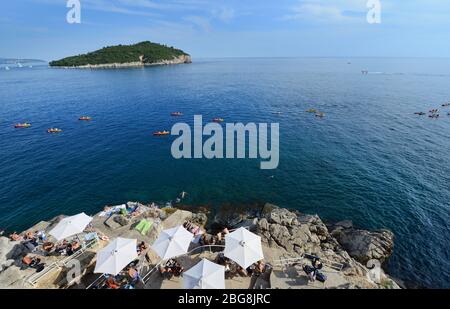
370, 159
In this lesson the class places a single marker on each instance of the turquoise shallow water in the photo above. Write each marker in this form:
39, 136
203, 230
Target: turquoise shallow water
370, 159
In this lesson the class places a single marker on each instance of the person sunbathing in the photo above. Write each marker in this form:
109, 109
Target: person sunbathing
141, 248
134, 274
317, 264
15, 237
48, 246
172, 268
31, 261
313, 271
208, 240
29, 235
241, 271
69, 250
177, 269
260, 267
72, 248
221, 236
224, 261
75, 246
111, 283
163, 269
191, 227
60, 248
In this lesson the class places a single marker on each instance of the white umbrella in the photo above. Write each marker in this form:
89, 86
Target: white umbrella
173, 242
114, 257
243, 247
205, 275
70, 226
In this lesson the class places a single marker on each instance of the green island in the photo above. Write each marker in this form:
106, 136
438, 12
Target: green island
140, 54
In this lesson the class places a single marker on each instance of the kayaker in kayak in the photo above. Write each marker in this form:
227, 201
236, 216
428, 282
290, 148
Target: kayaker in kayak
160, 133
85, 118
54, 130
22, 125
218, 120
177, 114
320, 115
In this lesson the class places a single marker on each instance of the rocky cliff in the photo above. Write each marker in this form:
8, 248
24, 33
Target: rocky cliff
183, 59
284, 234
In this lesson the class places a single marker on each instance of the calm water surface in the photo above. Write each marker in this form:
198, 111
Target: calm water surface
370, 159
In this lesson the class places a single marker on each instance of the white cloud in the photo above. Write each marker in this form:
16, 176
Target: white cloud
224, 14
204, 22
201, 22
164, 5
331, 11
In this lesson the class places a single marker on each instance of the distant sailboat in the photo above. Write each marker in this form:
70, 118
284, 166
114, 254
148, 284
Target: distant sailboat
7, 68
19, 65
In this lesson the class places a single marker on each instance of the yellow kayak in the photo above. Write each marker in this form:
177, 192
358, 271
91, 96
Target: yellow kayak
54, 130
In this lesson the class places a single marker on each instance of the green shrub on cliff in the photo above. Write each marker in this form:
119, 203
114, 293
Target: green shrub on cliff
151, 53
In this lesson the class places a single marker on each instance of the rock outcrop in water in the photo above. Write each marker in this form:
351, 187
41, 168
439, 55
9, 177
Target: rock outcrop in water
364, 245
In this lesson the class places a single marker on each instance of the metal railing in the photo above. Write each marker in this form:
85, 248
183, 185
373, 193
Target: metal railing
34, 278
97, 281
84, 247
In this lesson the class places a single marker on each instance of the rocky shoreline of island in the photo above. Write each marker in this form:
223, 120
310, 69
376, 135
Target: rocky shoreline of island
355, 255
182, 59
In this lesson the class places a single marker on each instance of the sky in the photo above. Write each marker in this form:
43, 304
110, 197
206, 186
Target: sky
231, 28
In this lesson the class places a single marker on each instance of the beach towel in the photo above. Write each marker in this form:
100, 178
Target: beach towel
140, 225
147, 227
143, 226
